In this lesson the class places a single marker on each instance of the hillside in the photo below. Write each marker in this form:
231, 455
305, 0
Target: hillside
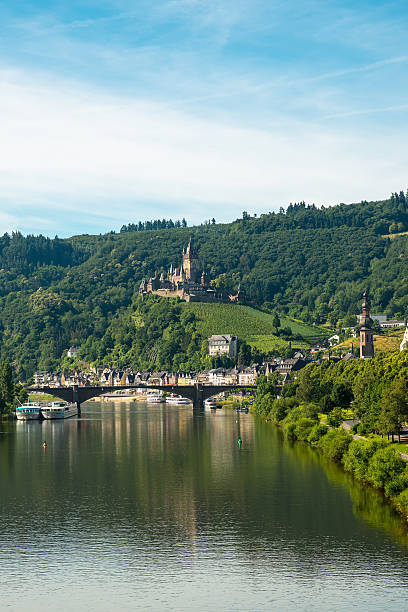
252, 325
304, 263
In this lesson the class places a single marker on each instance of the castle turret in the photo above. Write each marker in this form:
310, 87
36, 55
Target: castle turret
190, 264
366, 333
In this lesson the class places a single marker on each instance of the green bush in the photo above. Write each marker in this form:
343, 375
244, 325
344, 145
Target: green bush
303, 428
356, 458
289, 430
335, 443
309, 411
384, 466
281, 408
335, 417
401, 503
317, 432
396, 485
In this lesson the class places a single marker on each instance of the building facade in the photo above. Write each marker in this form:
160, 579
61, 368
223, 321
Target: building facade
225, 344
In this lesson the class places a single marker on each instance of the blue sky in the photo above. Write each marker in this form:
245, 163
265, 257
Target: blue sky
117, 111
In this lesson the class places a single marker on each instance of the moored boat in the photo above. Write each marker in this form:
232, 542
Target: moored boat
28, 411
59, 410
177, 400
154, 397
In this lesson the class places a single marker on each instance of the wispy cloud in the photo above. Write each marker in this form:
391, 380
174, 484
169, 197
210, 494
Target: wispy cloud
368, 111
159, 108
91, 153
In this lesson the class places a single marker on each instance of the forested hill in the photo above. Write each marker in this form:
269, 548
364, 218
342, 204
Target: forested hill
309, 263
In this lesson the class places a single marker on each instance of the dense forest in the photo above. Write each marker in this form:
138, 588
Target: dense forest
306, 262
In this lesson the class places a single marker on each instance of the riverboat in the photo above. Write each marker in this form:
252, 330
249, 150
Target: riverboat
30, 411
59, 410
155, 397
177, 400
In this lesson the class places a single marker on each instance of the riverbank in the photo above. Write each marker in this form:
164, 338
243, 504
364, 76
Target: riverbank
371, 462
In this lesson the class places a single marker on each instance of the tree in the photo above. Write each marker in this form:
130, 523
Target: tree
276, 321
394, 408
341, 394
7, 388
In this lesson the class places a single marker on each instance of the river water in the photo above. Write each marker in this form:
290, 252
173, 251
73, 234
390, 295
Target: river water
144, 508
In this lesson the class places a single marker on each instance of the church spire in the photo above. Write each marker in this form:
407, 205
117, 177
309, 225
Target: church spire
366, 333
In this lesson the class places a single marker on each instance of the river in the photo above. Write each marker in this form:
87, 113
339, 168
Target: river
149, 508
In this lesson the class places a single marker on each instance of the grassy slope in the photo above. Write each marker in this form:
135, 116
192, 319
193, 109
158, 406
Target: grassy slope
250, 324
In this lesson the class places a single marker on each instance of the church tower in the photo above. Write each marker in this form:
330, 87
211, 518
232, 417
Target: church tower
366, 333
190, 264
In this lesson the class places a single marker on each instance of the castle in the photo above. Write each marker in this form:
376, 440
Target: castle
187, 283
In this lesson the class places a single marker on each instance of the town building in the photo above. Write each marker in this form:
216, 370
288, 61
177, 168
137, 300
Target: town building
393, 324
225, 344
187, 282
366, 333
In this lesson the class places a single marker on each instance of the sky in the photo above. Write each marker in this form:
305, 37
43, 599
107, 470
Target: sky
115, 111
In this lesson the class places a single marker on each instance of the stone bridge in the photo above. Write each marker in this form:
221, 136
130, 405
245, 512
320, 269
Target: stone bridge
196, 393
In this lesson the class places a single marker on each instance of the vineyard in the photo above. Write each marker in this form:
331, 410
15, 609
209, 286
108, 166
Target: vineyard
252, 325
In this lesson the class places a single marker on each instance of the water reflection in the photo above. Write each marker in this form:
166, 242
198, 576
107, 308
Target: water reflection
160, 504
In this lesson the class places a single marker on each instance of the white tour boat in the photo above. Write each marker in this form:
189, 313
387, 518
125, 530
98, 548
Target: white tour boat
154, 397
30, 411
59, 410
177, 400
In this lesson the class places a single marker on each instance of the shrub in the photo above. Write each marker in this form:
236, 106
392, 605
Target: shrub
384, 466
396, 485
304, 425
401, 503
289, 430
263, 404
317, 432
335, 417
356, 458
303, 410
281, 408
335, 443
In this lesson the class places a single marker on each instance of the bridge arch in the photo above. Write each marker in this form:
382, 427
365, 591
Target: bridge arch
196, 393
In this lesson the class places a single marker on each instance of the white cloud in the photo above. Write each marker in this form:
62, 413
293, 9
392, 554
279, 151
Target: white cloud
73, 148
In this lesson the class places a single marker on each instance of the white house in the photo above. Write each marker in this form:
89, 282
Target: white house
333, 340
225, 344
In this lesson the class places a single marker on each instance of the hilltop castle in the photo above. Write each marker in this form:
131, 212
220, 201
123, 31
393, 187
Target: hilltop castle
187, 283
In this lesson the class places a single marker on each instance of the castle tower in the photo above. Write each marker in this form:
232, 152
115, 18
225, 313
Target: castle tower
190, 264
366, 333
